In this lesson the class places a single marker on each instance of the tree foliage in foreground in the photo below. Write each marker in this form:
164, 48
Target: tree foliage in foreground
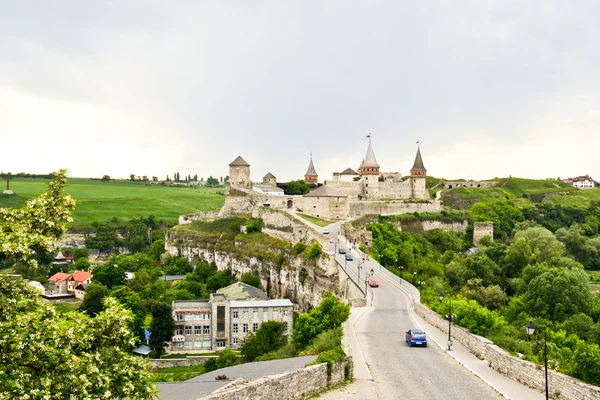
37, 226
270, 336
46, 354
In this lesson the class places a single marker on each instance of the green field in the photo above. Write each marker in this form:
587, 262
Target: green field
528, 191
315, 220
99, 201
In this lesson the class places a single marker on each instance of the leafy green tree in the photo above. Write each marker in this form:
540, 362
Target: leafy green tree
251, 278
220, 280
47, 349
105, 239
105, 178
162, 327
227, 358
504, 214
314, 252
491, 297
329, 314
579, 246
559, 293
156, 249
37, 226
82, 264
587, 363
479, 265
93, 299
82, 252
133, 302
297, 187
203, 271
212, 182
177, 265
270, 336
110, 275
135, 236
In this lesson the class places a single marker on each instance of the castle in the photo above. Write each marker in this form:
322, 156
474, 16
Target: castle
348, 195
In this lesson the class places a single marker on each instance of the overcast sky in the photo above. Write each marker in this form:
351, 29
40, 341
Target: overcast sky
489, 88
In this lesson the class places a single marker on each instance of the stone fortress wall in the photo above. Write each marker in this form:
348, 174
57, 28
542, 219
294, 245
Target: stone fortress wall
470, 184
358, 208
482, 229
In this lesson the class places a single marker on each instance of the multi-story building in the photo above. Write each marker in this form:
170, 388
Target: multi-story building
582, 182
225, 319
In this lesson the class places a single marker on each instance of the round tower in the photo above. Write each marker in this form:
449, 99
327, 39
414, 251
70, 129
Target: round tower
418, 175
369, 170
239, 174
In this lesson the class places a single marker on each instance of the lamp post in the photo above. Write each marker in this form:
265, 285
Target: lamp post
530, 329
441, 296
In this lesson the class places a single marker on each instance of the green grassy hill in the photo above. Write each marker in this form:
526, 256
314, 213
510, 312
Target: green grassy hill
101, 201
523, 191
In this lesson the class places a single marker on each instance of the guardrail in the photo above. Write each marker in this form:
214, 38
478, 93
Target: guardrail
351, 274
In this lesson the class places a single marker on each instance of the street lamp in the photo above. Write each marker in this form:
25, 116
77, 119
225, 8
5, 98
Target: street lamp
530, 329
441, 296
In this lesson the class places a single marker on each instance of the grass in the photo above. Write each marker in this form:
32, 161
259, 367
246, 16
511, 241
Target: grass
528, 191
315, 220
99, 201
177, 374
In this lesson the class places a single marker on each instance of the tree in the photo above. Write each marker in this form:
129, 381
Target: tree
48, 349
132, 177
212, 182
219, 280
559, 293
110, 275
133, 302
251, 278
38, 225
297, 187
93, 298
155, 178
106, 178
82, 264
161, 327
177, 265
329, 314
135, 237
270, 336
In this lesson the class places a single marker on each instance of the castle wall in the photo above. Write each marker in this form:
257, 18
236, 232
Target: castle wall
475, 184
419, 188
358, 208
351, 189
242, 204
482, 229
330, 208
395, 190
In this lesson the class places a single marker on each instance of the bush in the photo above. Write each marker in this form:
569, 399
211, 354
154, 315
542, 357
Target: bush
325, 341
254, 225
210, 364
330, 357
227, 358
299, 248
314, 252
270, 336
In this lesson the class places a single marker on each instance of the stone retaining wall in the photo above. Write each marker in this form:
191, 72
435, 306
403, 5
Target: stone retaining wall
178, 362
189, 218
560, 386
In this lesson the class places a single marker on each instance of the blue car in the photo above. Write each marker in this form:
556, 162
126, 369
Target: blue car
349, 257
416, 337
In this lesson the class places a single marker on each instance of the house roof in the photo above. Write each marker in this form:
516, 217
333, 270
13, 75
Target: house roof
311, 169
59, 277
189, 304
325, 191
239, 162
261, 303
242, 291
142, 349
349, 171
81, 286
370, 161
171, 278
418, 165
268, 175
60, 256
80, 276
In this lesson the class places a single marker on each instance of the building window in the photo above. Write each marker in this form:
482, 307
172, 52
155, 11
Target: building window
179, 344
197, 330
245, 328
235, 328
255, 315
179, 317
235, 315
275, 315
265, 315
206, 329
235, 340
246, 314
188, 344
220, 344
206, 344
179, 330
286, 325
285, 313
188, 317
198, 344
255, 327
198, 317
188, 330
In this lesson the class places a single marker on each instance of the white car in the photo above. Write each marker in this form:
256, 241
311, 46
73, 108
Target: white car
325, 230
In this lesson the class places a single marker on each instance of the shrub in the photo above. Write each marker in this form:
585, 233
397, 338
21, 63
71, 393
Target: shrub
314, 252
325, 341
254, 225
330, 357
299, 248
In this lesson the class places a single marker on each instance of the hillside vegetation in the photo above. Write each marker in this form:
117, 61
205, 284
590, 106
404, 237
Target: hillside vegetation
99, 201
523, 191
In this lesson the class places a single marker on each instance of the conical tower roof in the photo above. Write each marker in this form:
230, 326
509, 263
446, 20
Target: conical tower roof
239, 162
311, 169
418, 165
370, 161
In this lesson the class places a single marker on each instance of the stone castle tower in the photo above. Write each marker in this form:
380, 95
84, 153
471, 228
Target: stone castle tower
370, 174
311, 175
239, 174
269, 179
418, 174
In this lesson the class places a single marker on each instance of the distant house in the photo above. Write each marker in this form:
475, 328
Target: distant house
65, 285
80, 291
59, 282
77, 278
582, 182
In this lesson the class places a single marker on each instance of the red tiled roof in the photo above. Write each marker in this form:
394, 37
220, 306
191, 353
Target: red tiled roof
58, 277
80, 276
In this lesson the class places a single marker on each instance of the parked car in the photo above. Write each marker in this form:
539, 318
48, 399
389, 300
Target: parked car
326, 230
373, 282
416, 337
349, 257
341, 250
